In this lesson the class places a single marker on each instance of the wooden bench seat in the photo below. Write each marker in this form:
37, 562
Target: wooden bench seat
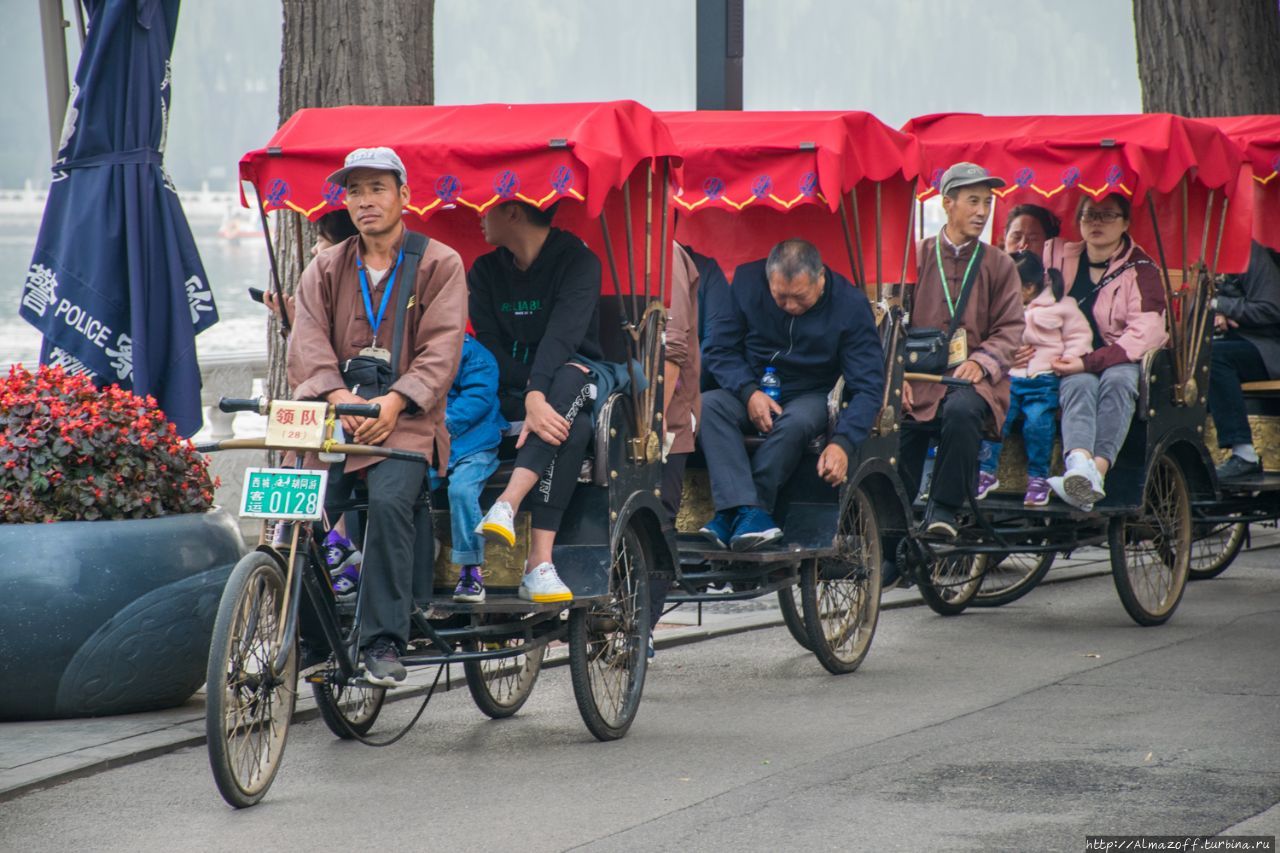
1271, 386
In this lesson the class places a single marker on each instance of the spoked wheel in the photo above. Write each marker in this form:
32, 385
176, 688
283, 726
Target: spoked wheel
500, 687
792, 617
348, 711
1007, 577
608, 649
841, 593
248, 709
947, 584
1215, 548
1151, 554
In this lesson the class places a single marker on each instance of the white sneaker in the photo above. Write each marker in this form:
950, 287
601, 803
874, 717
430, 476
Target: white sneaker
544, 586
1059, 489
1082, 481
498, 524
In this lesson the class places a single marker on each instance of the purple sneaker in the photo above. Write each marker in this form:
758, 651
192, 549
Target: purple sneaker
470, 586
345, 582
987, 483
1037, 492
340, 553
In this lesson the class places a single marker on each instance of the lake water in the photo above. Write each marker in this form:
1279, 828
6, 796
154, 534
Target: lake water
231, 266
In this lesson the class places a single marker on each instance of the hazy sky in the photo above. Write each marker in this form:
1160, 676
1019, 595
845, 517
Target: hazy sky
894, 58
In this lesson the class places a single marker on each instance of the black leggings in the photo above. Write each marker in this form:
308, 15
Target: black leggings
558, 466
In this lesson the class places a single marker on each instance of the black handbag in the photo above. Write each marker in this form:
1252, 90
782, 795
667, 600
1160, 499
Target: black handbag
928, 349
367, 376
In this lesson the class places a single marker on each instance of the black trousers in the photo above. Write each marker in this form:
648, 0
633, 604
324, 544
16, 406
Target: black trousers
958, 425
558, 466
393, 546
1235, 360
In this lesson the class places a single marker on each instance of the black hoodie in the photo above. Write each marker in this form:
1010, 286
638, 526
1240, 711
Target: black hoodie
537, 319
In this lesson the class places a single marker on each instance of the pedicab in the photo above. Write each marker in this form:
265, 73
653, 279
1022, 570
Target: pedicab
1222, 524
1181, 178
608, 166
843, 181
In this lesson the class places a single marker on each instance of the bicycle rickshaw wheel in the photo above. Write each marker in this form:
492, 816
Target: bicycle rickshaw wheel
1217, 549
500, 687
348, 711
793, 618
841, 593
247, 712
608, 648
948, 584
1009, 576
1151, 554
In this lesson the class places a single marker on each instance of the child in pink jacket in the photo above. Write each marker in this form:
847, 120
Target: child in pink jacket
1055, 328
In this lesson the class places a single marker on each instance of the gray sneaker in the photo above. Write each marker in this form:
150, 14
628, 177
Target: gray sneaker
1237, 467
380, 661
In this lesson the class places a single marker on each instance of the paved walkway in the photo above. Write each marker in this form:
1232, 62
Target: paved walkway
38, 754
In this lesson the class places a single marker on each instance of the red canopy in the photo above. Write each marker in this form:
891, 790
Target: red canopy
1259, 138
1052, 160
469, 155
750, 179
461, 160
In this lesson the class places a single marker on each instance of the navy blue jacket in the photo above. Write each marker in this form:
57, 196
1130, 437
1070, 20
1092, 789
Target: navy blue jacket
747, 331
471, 413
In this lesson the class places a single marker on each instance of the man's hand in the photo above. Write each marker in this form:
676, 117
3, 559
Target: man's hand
833, 464
376, 430
969, 370
1221, 323
350, 423
543, 421
1022, 355
1067, 366
760, 409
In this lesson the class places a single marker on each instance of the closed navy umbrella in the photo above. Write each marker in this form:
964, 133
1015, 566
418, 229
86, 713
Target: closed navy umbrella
116, 285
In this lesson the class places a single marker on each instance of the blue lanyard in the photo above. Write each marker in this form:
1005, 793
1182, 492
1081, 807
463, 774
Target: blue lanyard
386, 294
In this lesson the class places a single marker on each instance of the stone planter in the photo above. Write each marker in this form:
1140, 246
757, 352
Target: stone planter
109, 617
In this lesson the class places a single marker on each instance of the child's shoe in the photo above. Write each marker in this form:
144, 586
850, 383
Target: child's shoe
346, 581
1037, 492
470, 586
987, 483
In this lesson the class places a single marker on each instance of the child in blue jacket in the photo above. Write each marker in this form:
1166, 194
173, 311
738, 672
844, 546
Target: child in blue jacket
475, 429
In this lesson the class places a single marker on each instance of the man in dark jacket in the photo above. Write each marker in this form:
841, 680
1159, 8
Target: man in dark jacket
534, 304
1248, 350
809, 325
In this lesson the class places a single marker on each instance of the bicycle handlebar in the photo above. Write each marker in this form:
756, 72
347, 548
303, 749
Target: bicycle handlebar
259, 405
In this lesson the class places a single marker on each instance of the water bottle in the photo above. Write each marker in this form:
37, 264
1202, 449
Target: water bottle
771, 385
926, 473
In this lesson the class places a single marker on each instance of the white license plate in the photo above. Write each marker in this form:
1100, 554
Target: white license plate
286, 493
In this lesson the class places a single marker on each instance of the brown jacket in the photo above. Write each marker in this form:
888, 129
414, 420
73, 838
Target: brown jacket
332, 326
992, 321
684, 351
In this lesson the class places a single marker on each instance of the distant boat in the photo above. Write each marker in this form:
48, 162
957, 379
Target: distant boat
238, 225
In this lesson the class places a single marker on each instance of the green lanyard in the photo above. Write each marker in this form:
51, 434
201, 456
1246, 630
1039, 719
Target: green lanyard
946, 289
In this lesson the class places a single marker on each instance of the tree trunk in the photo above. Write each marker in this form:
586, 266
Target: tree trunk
378, 52
1208, 57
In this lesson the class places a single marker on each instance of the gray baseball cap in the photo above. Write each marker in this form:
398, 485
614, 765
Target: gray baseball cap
965, 175
370, 158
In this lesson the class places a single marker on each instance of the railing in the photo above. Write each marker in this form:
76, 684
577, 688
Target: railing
232, 376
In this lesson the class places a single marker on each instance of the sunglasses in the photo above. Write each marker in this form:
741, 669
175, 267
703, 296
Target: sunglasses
1107, 216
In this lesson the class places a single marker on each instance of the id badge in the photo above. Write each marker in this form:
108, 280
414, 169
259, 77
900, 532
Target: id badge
958, 350
378, 353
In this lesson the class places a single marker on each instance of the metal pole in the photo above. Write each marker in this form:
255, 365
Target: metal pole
848, 246
57, 83
906, 247
719, 39
631, 250
663, 251
1168, 292
857, 244
79, 4
879, 278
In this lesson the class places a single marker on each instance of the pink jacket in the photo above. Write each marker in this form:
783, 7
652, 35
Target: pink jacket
1129, 311
1056, 329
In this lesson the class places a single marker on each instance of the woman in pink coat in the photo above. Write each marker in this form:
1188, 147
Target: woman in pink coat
1054, 329
1118, 288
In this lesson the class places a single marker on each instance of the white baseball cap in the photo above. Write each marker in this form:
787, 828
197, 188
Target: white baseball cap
370, 158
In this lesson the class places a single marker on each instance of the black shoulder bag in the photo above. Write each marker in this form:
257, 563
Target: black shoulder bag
370, 376
927, 348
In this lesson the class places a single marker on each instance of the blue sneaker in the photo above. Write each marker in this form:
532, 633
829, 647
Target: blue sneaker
754, 528
720, 527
